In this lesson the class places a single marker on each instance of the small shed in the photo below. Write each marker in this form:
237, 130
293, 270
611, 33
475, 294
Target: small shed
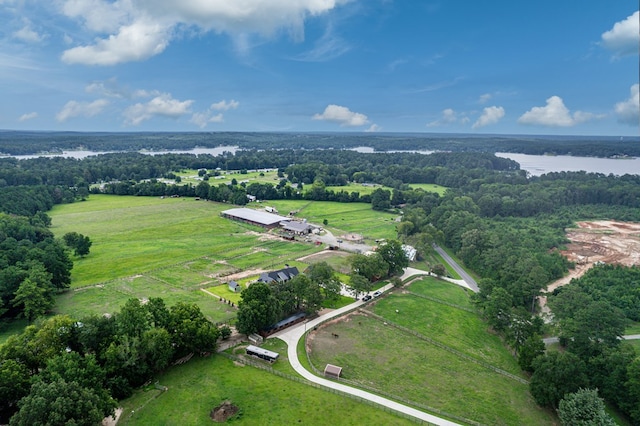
235, 287
332, 371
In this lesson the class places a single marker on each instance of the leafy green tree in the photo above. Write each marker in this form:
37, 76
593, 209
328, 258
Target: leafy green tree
258, 308
191, 331
14, 384
584, 408
439, 269
78, 242
380, 199
372, 267
35, 301
84, 370
555, 375
359, 284
631, 404
532, 348
394, 256
59, 403
497, 309
324, 275
157, 349
134, 318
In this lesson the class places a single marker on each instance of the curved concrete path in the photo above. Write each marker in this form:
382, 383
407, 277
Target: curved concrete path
293, 335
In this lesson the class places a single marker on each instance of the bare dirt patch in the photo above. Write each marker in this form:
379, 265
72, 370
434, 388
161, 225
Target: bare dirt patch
223, 412
244, 274
325, 254
597, 242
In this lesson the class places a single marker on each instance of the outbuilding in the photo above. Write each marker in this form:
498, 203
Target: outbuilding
235, 287
332, 371
261, 353
254, 217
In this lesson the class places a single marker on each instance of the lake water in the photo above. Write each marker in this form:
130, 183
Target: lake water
84, 154
535, 165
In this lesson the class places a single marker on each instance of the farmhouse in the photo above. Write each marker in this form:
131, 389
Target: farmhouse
281, 275
254, 217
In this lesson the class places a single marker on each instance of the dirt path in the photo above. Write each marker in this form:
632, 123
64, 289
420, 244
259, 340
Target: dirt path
597, 242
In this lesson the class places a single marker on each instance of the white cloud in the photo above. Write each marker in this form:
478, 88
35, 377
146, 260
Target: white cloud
223, 105
628, 111
555, 114
27, 34
81, 109
109, 88
343, 116
163, 105
485, 98
373, 128
624, 38
490, 115
28, 116
201, 119
139, 29
449, 116
134, 42
328, 47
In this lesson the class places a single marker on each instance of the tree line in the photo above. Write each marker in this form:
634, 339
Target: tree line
21, 143
62, 370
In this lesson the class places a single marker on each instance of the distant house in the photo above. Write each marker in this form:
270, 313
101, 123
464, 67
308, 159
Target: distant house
235, 287
280, 275
299, 228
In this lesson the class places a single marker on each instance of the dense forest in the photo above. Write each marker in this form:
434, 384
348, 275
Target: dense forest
22, 143
505, 226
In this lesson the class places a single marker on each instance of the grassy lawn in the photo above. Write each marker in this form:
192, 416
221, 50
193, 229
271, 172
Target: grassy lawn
423, 372
633, 328
195, 388
9, 328
429, 187
362, 189
343, 218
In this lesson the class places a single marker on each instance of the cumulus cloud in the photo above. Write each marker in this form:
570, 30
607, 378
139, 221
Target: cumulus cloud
624, 38
137, 30
161, 106
136, 42
28, 116
555, 114
628, 111
201, 119
27, 34
373, 128
490, 115
343, 116
223, 105
449, 116
81, 109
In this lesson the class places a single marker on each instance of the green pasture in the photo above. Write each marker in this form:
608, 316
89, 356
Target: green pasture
336, 259
110, 297
223, 291
422, 372
191, 176
264, 398
429, 187
362, 189
343, 218
441, 290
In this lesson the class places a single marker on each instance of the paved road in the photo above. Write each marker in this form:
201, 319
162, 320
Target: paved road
473, 285
550, 340
293, 334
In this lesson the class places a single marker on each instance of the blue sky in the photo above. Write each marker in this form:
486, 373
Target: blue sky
566, 67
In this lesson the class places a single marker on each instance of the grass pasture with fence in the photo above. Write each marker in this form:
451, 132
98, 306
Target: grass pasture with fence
444, 358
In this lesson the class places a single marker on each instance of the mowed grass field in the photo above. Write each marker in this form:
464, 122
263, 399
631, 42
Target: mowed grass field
343, 218
171, 248
263, 398
451, 376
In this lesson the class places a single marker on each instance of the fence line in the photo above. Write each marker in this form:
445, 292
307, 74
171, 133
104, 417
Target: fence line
448, 348
433, 299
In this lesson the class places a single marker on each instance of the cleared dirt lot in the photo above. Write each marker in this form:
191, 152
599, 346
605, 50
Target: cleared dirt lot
599, 241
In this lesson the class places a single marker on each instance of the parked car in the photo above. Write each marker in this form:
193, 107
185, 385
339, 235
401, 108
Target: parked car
377, 293
367, 297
